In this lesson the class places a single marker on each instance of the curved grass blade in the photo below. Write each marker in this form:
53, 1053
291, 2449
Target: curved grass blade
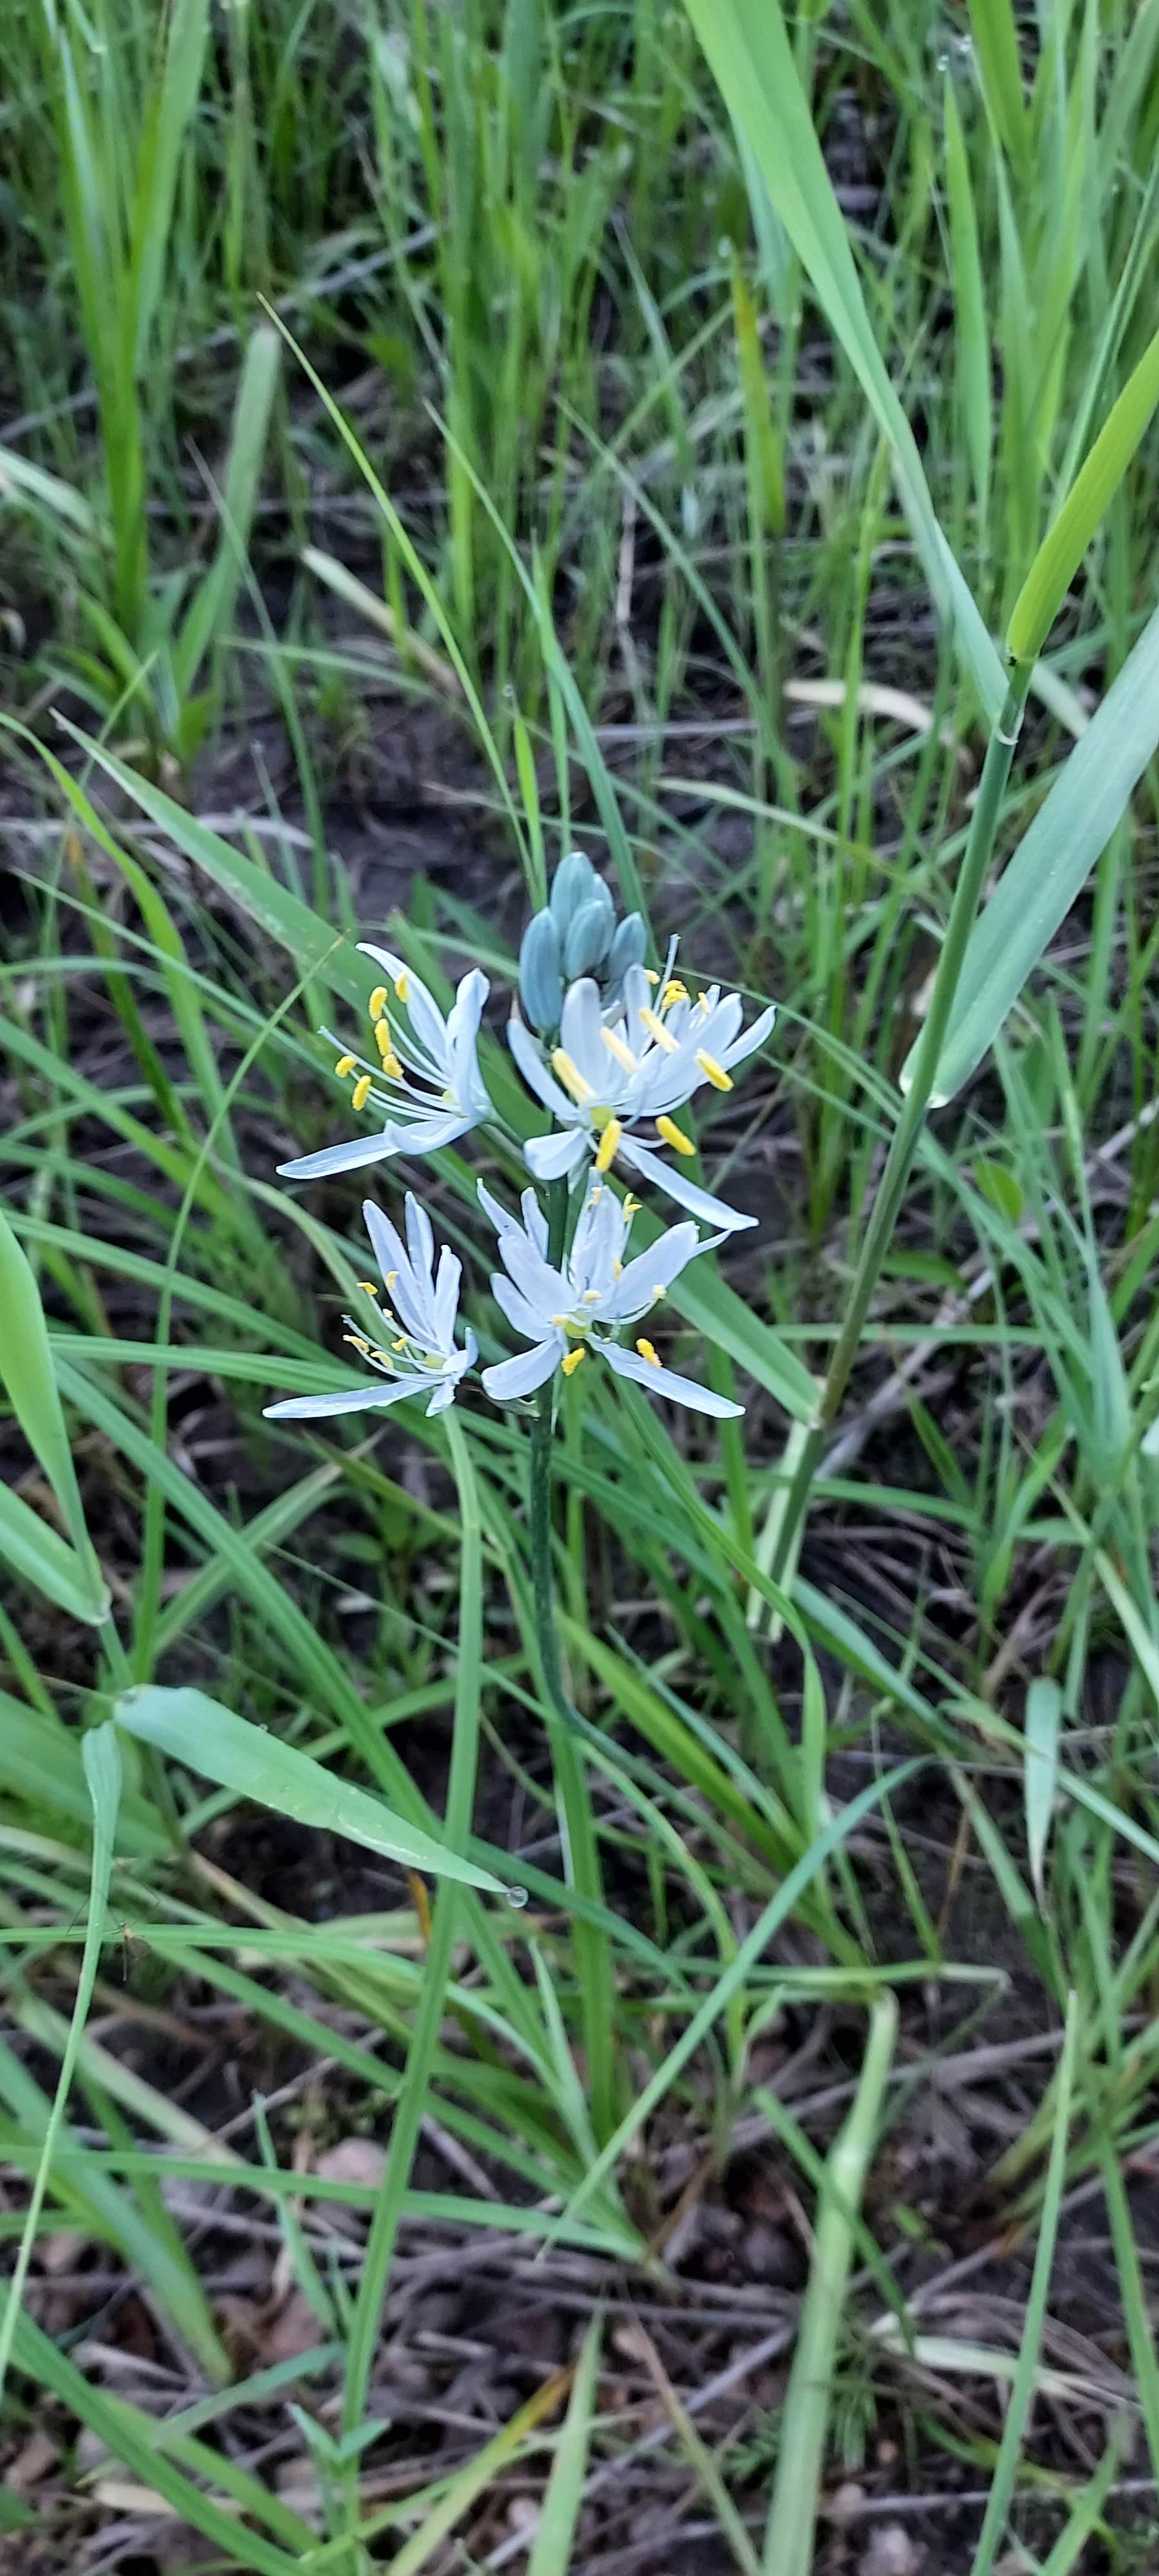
27, 1371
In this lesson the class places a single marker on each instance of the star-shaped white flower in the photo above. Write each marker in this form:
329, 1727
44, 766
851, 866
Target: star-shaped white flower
585, 1304
424, 1079
614, 1070
411, 1338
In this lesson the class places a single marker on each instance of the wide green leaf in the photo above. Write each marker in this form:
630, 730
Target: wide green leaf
1051, 863
194, 1729
747, 45
29, 1380
1086, 504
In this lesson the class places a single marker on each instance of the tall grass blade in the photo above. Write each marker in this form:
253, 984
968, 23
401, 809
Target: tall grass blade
29, 1379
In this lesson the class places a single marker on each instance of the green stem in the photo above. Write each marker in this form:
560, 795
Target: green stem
411, 2105
915, 1104
581, 1846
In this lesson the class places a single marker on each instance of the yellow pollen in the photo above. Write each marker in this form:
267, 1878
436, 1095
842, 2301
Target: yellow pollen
631, 1208
571, 1363
570, 1076
648, 1351
402, 986
391, 1276
650, 975
384, 1357
712, 1071
674, 991
361, 1092
358, 1340
369, 1286
656, 1029
591, 1297
345, 1065
383, 1039
377, 1004
659, 1291
608, 1145
617, 1270
668, 1129
400, 1345
623, 1054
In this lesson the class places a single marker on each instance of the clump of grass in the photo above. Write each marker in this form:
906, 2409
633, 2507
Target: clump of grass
783, 430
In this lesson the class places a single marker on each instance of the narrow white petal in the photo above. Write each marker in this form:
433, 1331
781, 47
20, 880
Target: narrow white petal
446, 1302
656, 1268
347, 1157
749, 1039
525, 1372
668, 1176
385, 1239
521, 1314
420, 1236
580, 1036
663, 1381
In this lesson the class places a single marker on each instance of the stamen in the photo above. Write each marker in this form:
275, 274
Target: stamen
571, 1363
591, 1297
631, 1208
672, 1135
391, 1276
674, 991
712, 1071
377, 1003
650, 975
345, 1065
369, 1286
359, 1341
402, 986
571, 1077
383, 1357
361, 1092
400, 1345
623, 1054
659, 1291
656, 1029
617, 1270
609, 1144
648, 1351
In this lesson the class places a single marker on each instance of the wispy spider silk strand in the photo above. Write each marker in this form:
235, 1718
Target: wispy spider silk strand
904, 1142
411, 2104
581, 1849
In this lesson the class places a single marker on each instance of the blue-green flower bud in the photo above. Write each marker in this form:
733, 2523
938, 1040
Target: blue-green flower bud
588, 936
628, 948
540, 982
574, 882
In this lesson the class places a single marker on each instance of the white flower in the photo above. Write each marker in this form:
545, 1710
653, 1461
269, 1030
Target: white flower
412, 1338
639, 1061
583, 1305
425, 1077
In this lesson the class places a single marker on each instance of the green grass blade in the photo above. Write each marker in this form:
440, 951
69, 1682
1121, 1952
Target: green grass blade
1084, 509
29, 1379
1011, 2452
213, 603
748, 48
1051, 863
1043, 1721
194, 1729
102, 1767
560, 2511
792, 2523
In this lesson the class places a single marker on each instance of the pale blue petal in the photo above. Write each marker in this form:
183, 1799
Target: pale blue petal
521, 1314
420, 1239
656, 1268
668, 1176
446, 1299
662, 1381
535, 1072
525, 1372
501, 1217
308, 1408
534, 1277
549, 1157
386, 1242
348, 1157
581, 1037
746, 1044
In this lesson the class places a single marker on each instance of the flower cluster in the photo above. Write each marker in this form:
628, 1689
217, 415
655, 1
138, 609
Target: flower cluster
613, 1050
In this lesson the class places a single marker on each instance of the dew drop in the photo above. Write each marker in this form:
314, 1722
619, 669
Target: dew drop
517, 1896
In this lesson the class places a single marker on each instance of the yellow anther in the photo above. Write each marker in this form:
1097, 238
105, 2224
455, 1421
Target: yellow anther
674, 991
609, 1144
345, 1065
651, 975
378, 999
383, 1357
382, 1037
591, 1297
361, 1092
712, 1071
617, 1270
570, 1076
659, 1291
648, 1351
402, 986
391, 1276
656, 1029
358, 1340
369, 1286
623, 1054
631, 1208
571, 1363
400, 1345
671, 1133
